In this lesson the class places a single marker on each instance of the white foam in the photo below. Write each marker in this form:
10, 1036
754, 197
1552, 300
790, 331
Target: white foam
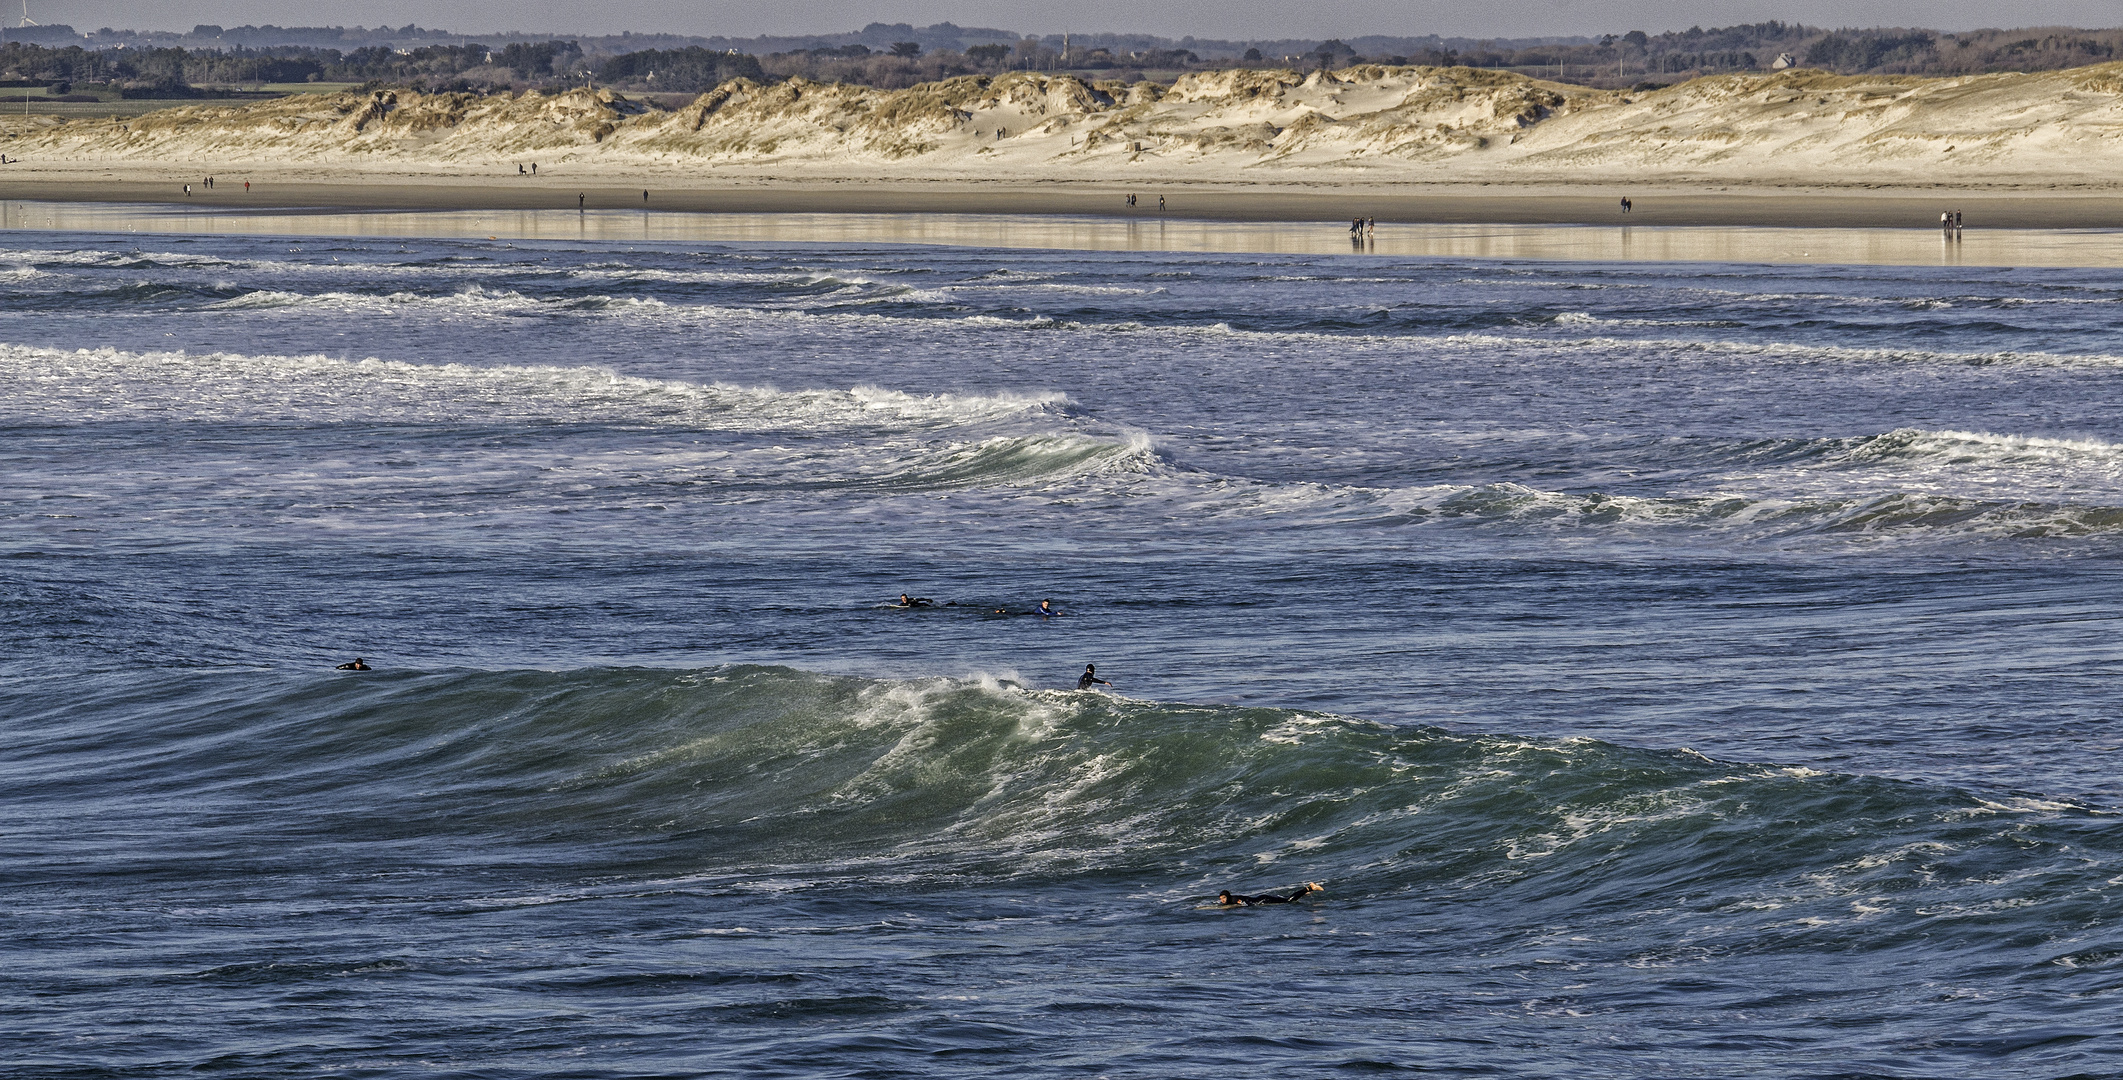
61, 386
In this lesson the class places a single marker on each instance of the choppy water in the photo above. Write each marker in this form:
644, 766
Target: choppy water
1671, 670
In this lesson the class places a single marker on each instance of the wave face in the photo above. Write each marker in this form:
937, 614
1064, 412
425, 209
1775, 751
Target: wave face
745, 773
750, 816
1696, 670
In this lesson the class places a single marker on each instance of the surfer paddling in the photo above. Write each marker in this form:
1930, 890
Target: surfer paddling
356, 664
1227, 898
915, 601
1090, 676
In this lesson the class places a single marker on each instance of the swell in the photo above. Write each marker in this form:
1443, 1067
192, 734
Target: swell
743, 773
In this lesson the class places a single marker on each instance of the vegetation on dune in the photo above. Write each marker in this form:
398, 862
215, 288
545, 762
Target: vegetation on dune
900, 56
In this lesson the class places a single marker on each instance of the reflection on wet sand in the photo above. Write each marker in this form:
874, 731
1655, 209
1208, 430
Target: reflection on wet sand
1742, 244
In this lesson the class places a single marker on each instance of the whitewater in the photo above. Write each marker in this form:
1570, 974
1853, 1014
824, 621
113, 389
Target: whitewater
1669, 669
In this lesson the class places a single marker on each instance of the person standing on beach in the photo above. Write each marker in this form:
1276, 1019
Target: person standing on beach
644, 196
1160, 204
579, 197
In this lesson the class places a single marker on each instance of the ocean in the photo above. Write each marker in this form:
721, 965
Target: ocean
1667, 669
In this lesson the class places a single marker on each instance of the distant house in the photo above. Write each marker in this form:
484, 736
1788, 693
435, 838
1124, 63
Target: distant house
1784, 60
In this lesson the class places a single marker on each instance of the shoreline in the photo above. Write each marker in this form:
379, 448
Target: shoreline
1442, 204
1624, 242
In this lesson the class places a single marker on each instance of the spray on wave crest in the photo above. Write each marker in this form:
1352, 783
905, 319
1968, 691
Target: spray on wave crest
746, 772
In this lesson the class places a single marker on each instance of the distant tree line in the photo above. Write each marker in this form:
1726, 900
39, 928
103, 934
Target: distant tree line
175, 72
1634, 58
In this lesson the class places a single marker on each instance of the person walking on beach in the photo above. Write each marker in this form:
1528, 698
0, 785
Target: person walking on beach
1160, 204
246, 187
1625, 204
187, 191
579, 197
534, 168
645, 196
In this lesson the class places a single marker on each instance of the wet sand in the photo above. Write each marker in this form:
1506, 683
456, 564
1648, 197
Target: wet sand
1399, 204
1611, 241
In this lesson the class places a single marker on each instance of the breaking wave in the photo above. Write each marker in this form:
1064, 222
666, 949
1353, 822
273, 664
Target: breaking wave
738, 774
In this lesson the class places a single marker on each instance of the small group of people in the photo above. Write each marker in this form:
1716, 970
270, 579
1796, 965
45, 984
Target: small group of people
206, 183
1160, 201
520, 170
1627, 206
1363, 226
1950, 220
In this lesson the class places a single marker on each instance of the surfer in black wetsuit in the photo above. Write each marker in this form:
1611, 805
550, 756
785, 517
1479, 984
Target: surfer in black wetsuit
1090, 675
357, 665
1046, 609
1229, 899
915, 601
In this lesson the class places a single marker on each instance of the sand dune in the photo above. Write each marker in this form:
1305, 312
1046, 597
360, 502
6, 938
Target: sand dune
1369, 123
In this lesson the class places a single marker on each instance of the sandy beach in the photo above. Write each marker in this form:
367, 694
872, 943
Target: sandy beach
1793, 149
1654, 205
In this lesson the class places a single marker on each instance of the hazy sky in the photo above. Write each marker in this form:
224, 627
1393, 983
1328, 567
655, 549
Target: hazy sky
1222, 19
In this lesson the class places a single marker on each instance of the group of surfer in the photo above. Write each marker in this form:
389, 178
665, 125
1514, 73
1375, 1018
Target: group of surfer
1045, 610
1086, 681
1227, 898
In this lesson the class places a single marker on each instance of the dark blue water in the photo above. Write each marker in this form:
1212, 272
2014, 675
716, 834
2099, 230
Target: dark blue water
1668, 670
